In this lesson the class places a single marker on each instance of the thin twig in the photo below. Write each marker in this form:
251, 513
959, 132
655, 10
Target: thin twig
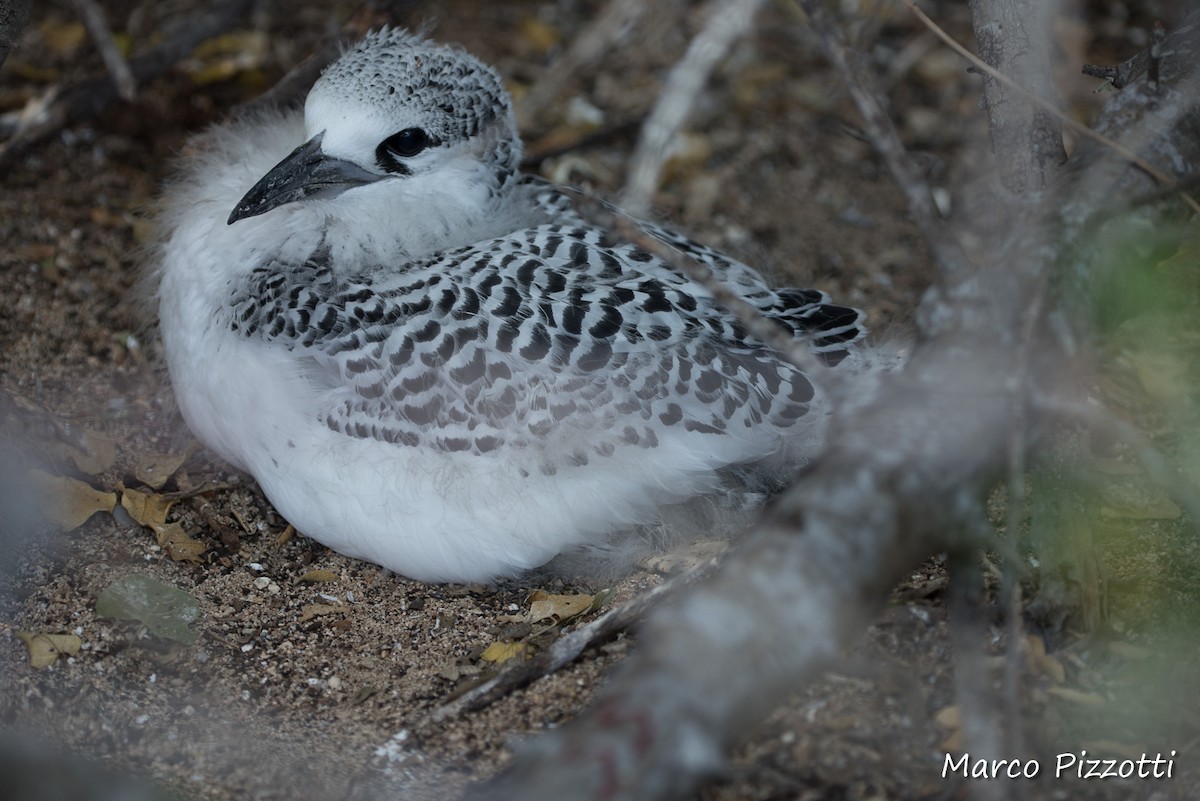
728, 20
881, 132
570, 646
97, 27
1049, 108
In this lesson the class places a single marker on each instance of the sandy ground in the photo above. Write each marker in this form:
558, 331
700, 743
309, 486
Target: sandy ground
326, 688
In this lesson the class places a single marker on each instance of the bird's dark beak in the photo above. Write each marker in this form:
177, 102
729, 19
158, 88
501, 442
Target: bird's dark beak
306, 174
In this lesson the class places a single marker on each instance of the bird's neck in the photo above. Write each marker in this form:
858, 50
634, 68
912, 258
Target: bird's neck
362, 229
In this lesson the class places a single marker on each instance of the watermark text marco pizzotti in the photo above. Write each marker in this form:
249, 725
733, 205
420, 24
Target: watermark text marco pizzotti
1080, 765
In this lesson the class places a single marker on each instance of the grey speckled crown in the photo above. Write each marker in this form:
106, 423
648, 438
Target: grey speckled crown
394, 68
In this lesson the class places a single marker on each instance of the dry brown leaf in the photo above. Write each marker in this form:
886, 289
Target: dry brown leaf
954, 743
559, 608
146, 508
91, 453
154, 469
1078, 696
285, 535
1041, 663
499, 652
949, 717
68, 502
1157, 506
177, 544
44, 649
317, 576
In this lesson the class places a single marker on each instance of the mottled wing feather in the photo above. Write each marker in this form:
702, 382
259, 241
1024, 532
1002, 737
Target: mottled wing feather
829, 328
553, 340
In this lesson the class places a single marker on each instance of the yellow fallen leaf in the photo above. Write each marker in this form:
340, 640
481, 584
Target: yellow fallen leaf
62, 38
68, 502
146, 507
542, 36
45, 648
503, 651
949, 717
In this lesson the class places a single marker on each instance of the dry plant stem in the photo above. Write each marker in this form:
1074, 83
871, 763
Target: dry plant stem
97, 28
1012, 36
86, 99
570, 646
587, 49
728, 20
882, 134
901, 473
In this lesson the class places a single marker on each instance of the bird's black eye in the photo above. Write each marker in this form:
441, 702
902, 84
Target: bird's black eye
407, 143
403, 145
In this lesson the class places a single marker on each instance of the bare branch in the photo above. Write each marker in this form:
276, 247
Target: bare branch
882, 134
570, 646
97, 27
728, 20
85, 100
901, 476
1013, 37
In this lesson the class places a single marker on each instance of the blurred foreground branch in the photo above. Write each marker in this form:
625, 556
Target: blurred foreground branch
903, 476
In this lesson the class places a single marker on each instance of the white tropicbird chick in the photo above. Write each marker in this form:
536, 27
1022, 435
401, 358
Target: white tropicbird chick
433, 362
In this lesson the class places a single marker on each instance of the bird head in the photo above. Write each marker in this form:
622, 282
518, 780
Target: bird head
411, 117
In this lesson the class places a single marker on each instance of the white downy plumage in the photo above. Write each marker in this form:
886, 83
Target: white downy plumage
433, 362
